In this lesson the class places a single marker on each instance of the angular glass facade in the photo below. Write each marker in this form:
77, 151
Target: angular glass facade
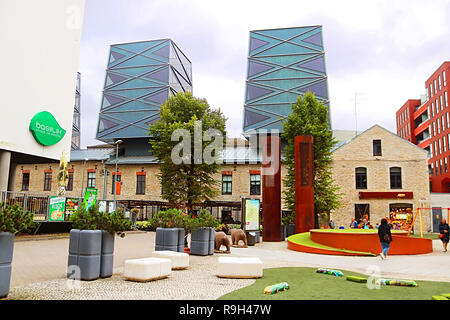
282, 64
140, 76
76, 117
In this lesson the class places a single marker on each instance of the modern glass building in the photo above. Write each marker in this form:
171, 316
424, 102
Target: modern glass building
282, 64
76, 117
140, 76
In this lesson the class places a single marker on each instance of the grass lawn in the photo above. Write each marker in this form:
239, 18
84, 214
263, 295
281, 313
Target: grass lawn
306, 284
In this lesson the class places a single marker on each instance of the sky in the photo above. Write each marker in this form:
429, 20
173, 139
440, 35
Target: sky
382, 52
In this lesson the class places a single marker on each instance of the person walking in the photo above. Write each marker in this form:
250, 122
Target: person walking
384, 233
444, 233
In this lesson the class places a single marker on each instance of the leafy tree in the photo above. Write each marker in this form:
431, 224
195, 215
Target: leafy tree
186, 177
310, 117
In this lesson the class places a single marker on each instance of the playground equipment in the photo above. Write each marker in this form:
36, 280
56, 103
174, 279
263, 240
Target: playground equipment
419, 213
276, 288
336, 273
397, 282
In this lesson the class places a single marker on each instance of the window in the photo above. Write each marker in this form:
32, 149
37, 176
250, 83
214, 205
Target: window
443, 78
377, 147
445, 165
440, 166
445, 98
119, 179
47, 181
91, 180
396, 177
255, 184
440, 147
361, 211
25, 181
448, 121
444, 145
227, 181
361, 178
435, 148
436, 168
70, 182
437, 106
140, 184
432, 109
438, 126
434, 129
440, 101
434, 86
431, 92
439, 82
430, 169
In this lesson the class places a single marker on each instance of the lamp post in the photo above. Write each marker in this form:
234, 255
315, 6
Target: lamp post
115, 175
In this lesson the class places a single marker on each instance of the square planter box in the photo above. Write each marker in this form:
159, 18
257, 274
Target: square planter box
202, 241
283, 232
290, 230
171, 239
6, 255
85, 251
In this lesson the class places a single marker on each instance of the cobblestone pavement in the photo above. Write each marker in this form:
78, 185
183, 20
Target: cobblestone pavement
39, 269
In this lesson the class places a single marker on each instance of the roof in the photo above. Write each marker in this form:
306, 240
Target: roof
91, 154
343, 143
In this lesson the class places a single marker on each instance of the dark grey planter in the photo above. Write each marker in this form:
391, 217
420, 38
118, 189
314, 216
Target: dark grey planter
200, 241
257, 236
212, 236
107, 256
6, 255
290, 230
169, 239
85, 248
283, 232
251, 238
181, 234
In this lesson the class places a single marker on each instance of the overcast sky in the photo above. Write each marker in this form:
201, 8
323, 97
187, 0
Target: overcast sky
382, 50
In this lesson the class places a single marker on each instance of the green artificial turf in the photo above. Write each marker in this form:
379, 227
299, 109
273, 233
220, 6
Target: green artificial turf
306, 284
305, 240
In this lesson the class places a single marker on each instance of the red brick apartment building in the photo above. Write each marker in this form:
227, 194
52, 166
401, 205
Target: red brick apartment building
425, 122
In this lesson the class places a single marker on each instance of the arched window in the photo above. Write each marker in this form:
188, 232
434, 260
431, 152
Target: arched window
395, 174
361, 178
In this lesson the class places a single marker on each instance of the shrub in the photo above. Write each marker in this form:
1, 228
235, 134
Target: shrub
14, 219
204, 219
93, 219
144, 225
170, 218
288, 218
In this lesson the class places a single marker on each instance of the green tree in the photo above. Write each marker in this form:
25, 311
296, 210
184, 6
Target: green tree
310, 117
187, 168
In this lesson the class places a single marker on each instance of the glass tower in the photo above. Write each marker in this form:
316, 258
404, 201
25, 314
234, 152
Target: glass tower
140, 76
282, 64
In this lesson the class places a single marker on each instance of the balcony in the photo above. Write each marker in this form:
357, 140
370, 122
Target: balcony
421, 127
424, 143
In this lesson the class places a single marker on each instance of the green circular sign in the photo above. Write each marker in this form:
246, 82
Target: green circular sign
46, 129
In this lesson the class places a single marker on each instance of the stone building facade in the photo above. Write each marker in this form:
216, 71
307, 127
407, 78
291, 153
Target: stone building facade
378, 173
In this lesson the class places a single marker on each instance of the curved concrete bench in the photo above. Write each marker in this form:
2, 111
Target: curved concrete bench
239, 268
179, 260
147, 269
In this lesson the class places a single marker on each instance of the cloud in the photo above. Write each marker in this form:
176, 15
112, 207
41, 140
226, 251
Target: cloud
384, 50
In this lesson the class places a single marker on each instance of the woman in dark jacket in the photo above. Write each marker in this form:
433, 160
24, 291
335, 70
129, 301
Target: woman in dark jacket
384, 233
444, 229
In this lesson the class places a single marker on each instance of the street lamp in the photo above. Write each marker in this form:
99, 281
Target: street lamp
115, 175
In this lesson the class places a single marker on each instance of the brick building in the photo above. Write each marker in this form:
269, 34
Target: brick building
380, 173
426, 122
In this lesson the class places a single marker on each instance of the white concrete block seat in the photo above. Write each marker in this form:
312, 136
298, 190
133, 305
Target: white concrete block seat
147, 269
240, 268
179, 260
